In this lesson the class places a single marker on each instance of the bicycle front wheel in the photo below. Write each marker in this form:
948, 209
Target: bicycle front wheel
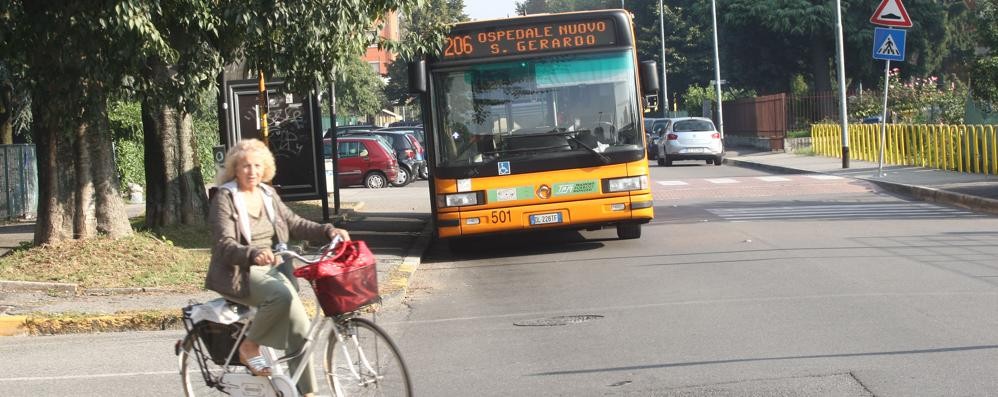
195, 384
365, 363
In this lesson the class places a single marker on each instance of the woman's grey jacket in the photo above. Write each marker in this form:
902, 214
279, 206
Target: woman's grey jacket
231, 255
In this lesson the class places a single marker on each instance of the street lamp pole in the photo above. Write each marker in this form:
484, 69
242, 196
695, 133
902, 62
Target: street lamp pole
717, 70
665, 81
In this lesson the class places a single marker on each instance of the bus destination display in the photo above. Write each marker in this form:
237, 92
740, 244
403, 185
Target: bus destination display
526, 39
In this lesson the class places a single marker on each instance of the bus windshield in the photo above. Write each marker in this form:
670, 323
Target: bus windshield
582, 105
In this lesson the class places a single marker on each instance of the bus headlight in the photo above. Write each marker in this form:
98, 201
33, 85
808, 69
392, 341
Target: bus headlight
460, 199
625, 184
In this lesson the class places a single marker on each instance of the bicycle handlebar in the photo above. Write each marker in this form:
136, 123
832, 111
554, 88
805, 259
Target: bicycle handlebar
325, 250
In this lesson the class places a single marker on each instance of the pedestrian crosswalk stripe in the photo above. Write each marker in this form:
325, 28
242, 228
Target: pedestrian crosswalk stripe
722, 180
672, 183
824, 177
772, 178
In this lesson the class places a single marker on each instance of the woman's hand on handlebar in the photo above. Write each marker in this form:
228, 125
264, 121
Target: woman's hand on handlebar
265, 258
341, 233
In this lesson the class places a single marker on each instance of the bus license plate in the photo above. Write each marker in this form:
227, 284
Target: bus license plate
543, 219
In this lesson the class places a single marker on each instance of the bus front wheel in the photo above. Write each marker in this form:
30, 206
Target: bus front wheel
628, 231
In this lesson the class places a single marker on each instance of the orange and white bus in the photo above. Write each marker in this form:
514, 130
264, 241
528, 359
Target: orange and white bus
536, 122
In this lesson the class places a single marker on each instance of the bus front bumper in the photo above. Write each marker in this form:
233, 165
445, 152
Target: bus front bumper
568, 215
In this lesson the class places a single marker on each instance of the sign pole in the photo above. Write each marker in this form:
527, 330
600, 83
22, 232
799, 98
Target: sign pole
883, 119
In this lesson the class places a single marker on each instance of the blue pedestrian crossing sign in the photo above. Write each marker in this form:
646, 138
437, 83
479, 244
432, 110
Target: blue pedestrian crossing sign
888, 44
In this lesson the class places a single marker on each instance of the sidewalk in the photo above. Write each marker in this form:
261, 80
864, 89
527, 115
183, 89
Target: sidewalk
393, 222
978, 192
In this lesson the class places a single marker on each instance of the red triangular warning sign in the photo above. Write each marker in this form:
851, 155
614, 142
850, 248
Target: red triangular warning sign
891, 13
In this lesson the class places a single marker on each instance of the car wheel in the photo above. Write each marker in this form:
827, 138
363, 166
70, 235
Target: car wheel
719, 161
628, 231
402, 178
375, 180
668, 162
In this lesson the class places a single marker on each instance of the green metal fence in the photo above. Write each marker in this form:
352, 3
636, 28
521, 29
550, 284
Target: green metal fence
18, 182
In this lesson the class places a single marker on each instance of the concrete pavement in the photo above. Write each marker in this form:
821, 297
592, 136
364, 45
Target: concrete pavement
395, 224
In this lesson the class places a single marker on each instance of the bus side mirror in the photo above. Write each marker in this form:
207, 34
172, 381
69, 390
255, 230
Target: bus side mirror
649, 77
417, 77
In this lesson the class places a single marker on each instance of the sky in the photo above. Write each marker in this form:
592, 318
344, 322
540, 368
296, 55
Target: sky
488, 9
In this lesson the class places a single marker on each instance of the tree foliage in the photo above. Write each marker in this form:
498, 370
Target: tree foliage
424, 23
985, 70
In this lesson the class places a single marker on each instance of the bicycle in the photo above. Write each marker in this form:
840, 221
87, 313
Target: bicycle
360, 358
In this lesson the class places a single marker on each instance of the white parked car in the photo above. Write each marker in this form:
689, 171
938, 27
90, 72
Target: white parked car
690, 138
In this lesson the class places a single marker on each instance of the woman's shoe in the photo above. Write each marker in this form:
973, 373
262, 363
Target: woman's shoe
258, 366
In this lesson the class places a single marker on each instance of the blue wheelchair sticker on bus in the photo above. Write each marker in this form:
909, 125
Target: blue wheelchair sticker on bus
503, 168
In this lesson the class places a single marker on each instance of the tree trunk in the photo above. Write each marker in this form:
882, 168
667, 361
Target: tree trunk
55, 194
77, 187
6, 114
109, 208
175, 191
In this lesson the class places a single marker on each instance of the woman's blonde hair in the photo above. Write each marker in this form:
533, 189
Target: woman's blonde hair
238, 151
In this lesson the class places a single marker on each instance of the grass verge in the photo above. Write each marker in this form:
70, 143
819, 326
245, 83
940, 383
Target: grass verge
174, 258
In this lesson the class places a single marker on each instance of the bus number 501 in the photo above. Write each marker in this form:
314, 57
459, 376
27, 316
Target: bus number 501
459, 45
500, 216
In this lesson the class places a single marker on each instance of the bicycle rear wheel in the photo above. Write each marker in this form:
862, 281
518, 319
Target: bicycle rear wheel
195, 384
366, 363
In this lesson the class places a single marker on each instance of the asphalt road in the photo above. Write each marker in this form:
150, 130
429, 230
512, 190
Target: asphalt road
746, 283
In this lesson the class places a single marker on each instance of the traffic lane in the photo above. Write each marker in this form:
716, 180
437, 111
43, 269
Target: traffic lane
752, 299
105, 365
112, 364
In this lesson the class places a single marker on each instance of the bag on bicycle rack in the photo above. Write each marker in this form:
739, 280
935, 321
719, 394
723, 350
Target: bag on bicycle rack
217, 323
219, 339
344, 281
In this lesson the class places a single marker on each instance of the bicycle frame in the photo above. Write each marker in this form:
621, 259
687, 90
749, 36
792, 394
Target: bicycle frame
278, 378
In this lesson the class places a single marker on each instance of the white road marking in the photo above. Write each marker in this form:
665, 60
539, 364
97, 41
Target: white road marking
823, 177
672, 183
721, 180
772, 178
93, 376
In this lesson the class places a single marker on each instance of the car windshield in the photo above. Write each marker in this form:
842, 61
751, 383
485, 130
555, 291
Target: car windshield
529, 109
693, 125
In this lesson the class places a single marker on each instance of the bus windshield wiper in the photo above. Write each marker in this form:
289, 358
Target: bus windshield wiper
602, 157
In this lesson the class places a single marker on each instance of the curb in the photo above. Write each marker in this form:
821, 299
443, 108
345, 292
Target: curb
767, 167
400, 279
12, 325
36, 286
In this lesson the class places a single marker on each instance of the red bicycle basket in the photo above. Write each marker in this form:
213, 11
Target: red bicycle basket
344, 281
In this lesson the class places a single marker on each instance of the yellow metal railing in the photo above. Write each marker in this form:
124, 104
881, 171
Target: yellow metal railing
962, 148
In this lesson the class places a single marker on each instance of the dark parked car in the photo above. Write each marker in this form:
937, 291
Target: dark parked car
346, 129
363, 160
415, 130
653, 132
417, 136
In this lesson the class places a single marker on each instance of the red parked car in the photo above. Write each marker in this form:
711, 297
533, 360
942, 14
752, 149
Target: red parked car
363, 161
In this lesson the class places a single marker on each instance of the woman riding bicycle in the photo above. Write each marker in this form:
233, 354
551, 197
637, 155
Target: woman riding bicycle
248, 218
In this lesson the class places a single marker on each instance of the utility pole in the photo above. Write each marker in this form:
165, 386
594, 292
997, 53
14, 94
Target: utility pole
843, 111
717, 71
665, 83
